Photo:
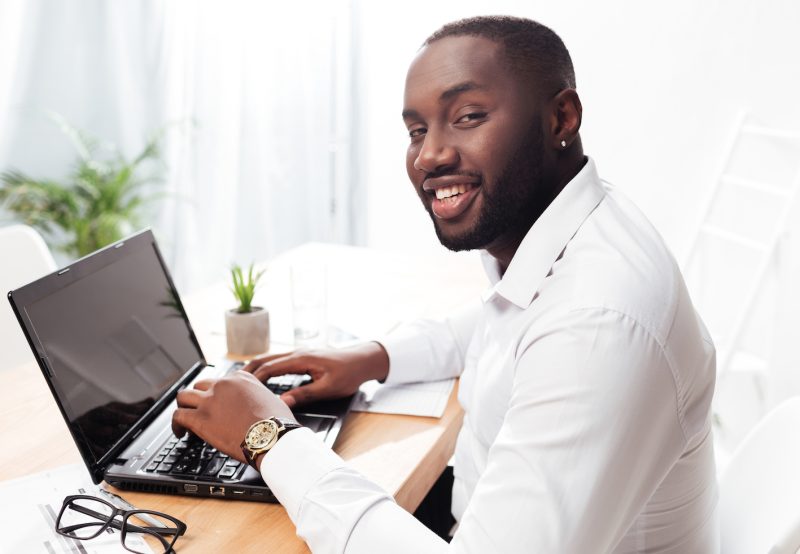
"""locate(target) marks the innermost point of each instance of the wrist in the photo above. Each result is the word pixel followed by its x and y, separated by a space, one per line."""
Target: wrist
pixel 376 361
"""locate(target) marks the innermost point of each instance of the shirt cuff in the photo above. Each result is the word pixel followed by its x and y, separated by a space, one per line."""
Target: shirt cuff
pixel 405 352
pixel 294 465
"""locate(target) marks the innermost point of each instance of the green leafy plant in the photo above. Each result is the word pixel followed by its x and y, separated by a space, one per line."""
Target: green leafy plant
pixel 100 202
pixel 244 287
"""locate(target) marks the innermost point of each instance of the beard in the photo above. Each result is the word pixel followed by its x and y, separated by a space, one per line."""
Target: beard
pixel 511 203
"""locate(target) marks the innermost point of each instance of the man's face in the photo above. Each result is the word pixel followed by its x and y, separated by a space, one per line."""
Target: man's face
pixel 476 150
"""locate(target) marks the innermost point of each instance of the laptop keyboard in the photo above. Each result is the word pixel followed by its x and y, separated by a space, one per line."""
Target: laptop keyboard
pixel 192 457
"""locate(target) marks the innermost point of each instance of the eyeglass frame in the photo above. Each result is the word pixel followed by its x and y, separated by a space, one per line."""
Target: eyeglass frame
pixel 122 525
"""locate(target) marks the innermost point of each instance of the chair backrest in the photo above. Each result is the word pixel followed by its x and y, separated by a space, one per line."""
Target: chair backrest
pixel 24 257
pixel 760 487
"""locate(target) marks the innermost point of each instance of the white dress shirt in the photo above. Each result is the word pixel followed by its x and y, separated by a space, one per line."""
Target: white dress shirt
pixel 587 383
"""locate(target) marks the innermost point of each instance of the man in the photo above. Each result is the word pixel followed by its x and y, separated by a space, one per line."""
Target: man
pixel 587 376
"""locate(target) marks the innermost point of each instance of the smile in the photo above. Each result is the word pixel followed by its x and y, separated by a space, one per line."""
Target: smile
pixel 451 191
pixel 453 200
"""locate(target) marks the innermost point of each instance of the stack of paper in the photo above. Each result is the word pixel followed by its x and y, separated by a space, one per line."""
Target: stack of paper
pixel 419 399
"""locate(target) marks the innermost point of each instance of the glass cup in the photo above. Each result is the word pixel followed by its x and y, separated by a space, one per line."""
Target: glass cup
pixel 309 304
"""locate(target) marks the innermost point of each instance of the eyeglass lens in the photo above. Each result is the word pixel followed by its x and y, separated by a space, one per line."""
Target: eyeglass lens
pixel 84 518
pixel 164 534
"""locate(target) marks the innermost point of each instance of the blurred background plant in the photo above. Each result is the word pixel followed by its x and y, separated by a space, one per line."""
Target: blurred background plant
pixel 101 201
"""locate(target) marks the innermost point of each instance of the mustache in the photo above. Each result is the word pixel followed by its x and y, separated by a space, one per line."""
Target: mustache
pixel 451 172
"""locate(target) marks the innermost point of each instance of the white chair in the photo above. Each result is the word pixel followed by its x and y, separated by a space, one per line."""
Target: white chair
pixel 760 487
pixel 23 257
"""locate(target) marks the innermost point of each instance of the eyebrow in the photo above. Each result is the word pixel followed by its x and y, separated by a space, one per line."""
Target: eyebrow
pixel 448 95
pixel 460 88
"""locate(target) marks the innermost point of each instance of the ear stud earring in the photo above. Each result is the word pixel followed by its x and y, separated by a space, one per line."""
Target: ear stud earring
pixel 563 144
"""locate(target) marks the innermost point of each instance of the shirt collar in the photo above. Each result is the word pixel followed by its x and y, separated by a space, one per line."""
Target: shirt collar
pixel 546 239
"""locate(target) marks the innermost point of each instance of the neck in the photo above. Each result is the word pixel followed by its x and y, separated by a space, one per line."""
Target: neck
pixel 505 247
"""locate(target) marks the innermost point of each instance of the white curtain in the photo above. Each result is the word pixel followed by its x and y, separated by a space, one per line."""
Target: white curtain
pixel 258 158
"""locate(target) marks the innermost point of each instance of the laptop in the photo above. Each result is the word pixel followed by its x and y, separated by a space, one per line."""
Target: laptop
pixel 115 346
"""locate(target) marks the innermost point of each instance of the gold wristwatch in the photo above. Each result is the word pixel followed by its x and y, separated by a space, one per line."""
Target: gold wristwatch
pixel 263 435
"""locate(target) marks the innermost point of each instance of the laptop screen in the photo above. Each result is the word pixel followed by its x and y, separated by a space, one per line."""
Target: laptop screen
pixel 116 339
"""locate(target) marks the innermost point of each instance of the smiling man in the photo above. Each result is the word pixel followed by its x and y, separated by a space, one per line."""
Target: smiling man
pixel 586 375
pixel 475 117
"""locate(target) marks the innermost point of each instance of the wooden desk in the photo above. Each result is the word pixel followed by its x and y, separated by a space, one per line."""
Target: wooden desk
pixel 403 454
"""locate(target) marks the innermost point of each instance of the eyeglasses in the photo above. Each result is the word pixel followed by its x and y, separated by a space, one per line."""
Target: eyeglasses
pixel 86 517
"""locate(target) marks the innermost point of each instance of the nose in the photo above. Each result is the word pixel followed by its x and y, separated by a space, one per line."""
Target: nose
pixel 435 154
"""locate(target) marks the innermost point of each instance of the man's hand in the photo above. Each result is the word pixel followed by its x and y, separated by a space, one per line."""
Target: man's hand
pixel 220 411
pixel 336 373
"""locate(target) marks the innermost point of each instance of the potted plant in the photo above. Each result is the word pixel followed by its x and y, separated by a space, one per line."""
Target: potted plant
pixel 247 326
pixel 101 201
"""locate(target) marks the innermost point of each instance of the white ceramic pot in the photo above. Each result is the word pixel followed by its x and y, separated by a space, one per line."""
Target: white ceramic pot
pixel 247 333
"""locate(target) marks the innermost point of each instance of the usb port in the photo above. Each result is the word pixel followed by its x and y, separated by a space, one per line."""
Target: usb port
pixel 258 493
pixel 239 492
pixel 217 491
pixel 189 488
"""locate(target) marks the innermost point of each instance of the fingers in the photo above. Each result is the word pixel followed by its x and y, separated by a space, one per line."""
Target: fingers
pixel 183 419
pixel 204 384
pixel 190 398
pixel 305 394
pixel 247 377
pixel 185 416
pixel 255 363
pixel 282 366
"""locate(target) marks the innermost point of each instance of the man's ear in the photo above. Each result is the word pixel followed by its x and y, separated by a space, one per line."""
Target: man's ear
pixel 566 115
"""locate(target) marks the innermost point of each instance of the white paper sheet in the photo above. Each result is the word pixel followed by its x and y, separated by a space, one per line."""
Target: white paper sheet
pixel 418 399
pixel 29 509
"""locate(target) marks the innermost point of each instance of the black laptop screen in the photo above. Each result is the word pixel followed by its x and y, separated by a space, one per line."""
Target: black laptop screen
pixel 116 340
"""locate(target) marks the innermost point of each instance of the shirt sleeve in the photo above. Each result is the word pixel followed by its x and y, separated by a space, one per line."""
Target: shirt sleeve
pixel 429 350
pixel 335 508
pixel 591 429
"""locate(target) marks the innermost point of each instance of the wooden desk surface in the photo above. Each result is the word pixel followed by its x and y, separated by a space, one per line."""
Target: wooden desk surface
pixel 403 454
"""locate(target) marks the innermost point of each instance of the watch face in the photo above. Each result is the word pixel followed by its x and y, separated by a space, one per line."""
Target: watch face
pixel 262 435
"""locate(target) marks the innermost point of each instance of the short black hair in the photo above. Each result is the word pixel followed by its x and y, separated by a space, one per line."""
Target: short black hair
pixel 530 47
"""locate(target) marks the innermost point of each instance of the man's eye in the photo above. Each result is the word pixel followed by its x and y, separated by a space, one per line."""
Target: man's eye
pixel 472 117
pixel 417 132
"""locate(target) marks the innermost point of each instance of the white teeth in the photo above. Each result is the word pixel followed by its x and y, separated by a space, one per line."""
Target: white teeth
pixel 447 192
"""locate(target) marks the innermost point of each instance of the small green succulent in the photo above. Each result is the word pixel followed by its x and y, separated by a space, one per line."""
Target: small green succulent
pixel 244 287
